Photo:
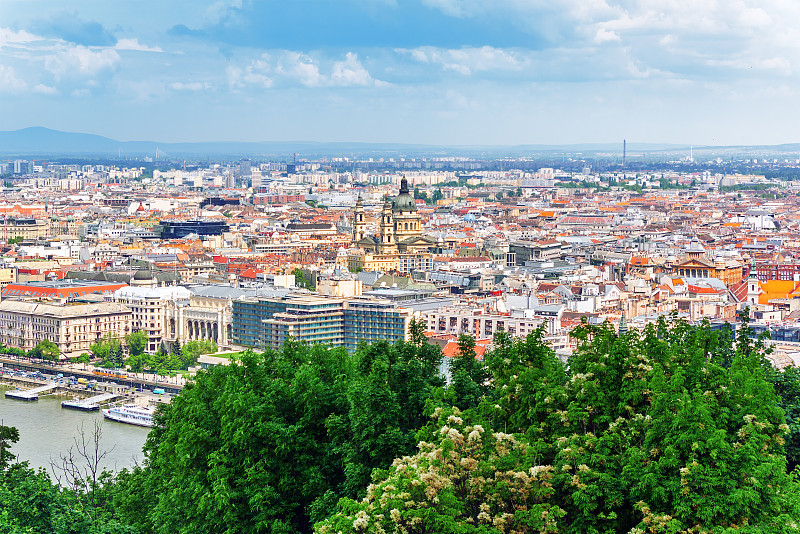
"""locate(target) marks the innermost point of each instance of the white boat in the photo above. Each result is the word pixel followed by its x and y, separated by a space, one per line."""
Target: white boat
pixel 132 414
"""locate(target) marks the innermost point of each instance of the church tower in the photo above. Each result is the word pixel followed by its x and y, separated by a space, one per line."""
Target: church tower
pixel 387 227
pixel 752 284
pixel 359 226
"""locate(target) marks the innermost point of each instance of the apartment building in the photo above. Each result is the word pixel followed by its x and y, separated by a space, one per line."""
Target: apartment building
pixel 73 327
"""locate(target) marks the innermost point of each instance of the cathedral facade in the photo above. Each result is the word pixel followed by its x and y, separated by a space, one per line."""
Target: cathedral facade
pixel 400 228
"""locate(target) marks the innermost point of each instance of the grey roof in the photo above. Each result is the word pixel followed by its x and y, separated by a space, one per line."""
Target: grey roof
pixel 219 291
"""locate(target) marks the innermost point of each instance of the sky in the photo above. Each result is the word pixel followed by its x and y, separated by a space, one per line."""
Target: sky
pixel 447 72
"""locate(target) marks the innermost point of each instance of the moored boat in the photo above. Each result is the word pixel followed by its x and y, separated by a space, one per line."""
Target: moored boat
pixel 132 414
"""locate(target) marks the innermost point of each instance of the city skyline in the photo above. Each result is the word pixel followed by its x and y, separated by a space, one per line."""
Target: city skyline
pixel 443 72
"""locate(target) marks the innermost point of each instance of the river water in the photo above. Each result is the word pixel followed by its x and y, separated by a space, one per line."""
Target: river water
pixel 46 431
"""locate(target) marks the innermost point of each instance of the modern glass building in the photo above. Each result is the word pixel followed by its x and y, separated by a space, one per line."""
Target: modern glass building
pixel 371 320
pixel 180 229
pixel 268 322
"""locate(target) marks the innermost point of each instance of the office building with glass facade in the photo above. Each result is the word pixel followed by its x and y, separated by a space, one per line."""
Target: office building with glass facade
pixel 267 322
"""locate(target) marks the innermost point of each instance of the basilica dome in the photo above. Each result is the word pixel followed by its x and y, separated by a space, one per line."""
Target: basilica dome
pixel 404 201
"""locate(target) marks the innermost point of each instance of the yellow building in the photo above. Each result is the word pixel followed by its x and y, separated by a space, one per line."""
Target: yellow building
pixel 24 228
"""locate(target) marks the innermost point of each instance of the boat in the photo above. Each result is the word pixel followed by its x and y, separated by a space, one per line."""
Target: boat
pixel 133 414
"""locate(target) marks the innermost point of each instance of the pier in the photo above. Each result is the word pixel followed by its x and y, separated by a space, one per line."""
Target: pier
pixel 30 394
pixel 91 404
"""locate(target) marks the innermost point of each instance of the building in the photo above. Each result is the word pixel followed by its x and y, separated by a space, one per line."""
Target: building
pixel 306 319
pixel 149 306
pixel 181 229
pixel 73 327
pixel 400 226
pixel 207 316
pixel 267 322
pixel 697 265
pixel 59 289
pixel 466 320
pixel 24 228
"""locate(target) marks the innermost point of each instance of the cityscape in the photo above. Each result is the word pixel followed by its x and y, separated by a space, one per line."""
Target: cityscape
pixel 250 253
pixel 399 266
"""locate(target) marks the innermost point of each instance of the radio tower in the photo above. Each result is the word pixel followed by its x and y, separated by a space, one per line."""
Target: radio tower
pixel 624 151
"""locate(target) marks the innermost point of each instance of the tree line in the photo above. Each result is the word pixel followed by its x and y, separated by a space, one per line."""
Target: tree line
pixel 677 428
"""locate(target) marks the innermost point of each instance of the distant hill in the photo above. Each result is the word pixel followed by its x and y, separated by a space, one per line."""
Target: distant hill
pixel 39 141
pixel 44 141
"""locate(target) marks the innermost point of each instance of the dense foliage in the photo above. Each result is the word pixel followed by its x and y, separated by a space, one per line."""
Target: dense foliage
pixel 640 433
pixel 674 429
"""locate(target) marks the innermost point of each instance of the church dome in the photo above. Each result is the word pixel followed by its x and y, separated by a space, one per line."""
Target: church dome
pixel 404 201
pixel 143 275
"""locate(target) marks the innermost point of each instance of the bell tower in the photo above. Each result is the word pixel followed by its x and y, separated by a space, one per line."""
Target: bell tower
pixel 752 284
pixel 387 225
pixel 358 221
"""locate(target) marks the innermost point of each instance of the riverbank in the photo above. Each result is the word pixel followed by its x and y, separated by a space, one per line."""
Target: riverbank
pixel 47 431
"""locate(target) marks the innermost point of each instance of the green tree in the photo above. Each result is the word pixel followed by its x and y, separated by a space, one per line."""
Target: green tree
pixel 84 358
pixel 466 479
pixel 300 279
pixel 45 350
pixel 416 331
pixel 101 348
pixel 469 377
pixel 193 349
pixel 136 342
pixel 8 436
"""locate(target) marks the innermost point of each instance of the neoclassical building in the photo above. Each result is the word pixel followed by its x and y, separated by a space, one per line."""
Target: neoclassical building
pixel 207 316
pixel 400 228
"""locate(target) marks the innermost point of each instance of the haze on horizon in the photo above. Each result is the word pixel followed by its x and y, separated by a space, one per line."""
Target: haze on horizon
pixel 447 72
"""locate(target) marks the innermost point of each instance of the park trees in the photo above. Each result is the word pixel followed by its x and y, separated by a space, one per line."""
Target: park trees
pixel 642 432
pixel 272 441
pixel 45 350
pixel 137 343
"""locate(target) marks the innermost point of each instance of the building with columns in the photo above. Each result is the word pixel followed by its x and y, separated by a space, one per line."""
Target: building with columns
pixel 207 316
pixel 149 308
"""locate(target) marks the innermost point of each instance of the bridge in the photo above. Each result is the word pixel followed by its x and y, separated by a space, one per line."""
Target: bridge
pixel 30 394
pixel 91 404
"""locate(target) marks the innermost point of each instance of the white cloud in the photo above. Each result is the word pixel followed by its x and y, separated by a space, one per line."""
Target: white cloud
pixel 350 72
pixel 80 59
pixel 298 66
pixel 255 74
pixel 12 37
pixel 45 89
pixel 469 60
pixel 190 86
pixel 603 36
pixel 80 93
pixel 9 81
pixel 134 44
pixel 454 8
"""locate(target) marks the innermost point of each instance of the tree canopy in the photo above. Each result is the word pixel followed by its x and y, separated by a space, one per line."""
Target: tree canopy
pixel 675 429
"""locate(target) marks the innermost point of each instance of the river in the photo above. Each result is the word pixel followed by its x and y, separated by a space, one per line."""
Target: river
pixel 46 431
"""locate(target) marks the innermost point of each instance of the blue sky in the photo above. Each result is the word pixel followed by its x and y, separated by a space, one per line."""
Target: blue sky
pixel 456 72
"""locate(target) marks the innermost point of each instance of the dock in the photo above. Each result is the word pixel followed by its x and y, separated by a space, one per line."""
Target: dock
pixel 30 394
pixel 91 404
